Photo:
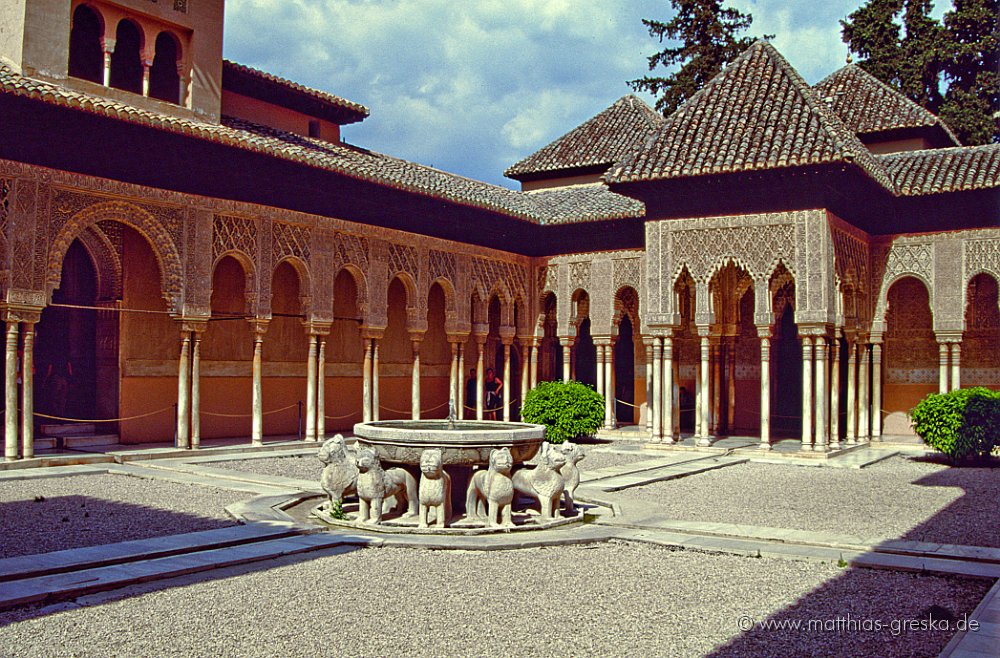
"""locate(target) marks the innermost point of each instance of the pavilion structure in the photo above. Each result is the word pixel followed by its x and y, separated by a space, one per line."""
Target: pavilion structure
pixel 189 249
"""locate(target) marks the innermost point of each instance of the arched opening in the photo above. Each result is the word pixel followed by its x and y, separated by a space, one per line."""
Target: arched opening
pixel 627 319
pixel 584 367
pixel 980 356
pixel 126 64
pixel 746 373
pixel 910 361
pixel 344 356
pixel 395 357
pixel 687 351
pixel 86 57
pixel 227 350
pixel 786 359
pixel 550 354
pixel 164 81
pixel 492 400
pixel 286 350
pixel 435 358
pixel 729 288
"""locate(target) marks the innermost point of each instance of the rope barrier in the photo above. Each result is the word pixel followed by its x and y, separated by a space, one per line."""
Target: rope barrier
pixel 265 413
pixel 105 420
pixel 350 415
pixel 487 411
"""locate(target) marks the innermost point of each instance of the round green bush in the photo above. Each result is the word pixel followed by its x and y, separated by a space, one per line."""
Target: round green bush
pixel 963 425
pixel 567 409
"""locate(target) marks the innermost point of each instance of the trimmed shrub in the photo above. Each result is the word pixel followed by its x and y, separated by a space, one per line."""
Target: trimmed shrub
pixel 962 424
pixel 567 409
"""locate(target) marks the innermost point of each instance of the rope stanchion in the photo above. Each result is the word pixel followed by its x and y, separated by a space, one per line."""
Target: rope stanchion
pixel 104 420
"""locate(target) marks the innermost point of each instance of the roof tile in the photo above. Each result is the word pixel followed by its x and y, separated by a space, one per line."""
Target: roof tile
pixel 937 171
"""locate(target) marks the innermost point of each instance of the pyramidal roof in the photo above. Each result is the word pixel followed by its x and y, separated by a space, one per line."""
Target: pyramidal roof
pixel 867 105
pixel 600 141
pixel 756 114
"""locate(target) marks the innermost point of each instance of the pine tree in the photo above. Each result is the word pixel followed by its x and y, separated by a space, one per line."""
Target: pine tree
pixel 707 33
pixel 871 31
pixel 922 51
pixel 972 71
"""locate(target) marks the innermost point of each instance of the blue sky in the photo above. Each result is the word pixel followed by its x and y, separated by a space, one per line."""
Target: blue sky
pixel 473 86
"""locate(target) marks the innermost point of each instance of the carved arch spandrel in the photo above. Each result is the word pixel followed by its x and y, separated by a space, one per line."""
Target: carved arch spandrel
pixel 166 252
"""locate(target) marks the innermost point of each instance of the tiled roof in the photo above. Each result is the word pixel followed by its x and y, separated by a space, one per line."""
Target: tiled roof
pixel 602 140
pixel 241 78
pixel 958 169
pixel 867 105
pixel 577 204
pixel 757 114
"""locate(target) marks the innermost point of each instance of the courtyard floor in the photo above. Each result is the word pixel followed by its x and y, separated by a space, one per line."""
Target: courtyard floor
pixel 610 598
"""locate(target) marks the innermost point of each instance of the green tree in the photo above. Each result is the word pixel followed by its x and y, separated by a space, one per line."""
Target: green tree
pixel 873 33
pixel 708 38
pixel 972 71
pixel 922 51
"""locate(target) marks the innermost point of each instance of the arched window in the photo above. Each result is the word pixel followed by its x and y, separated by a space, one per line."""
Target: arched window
pixel 86 57
pixel 164 82
pixel 126 65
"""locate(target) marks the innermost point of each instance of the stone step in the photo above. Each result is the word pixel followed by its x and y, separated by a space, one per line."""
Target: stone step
pixel 69 585
pixel 669 472
pixel 68 429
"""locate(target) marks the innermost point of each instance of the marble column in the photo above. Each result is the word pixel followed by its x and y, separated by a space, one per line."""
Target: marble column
pixel 415 382
pixel 311 390
pixel 460 383
pixel 257 423
pixel 375 384
pixel 864 395
pixel 196 390
pixel 648 344
pixel 184 391
pixel 535 348
pixel 731 386
pixel 851 434
pixel 453 377
pixel 366 383
pixel 666 398
pixel 765 387
pixel 146 65
pixel 525 371
pixel 876 391
pixel 657 397
pixel 676 428
pixel 956 366
pixel 716 386
pixel 807 392
pixel 697 399
pixel 706 350
pixel 567 344
pixel 28 393
pixel 109 49
pixel 822 397
pixel 609 386
pixel 480 376
pixel 944 350
pixel 321 390
pixel 599 371
pixel 835 394
pixel 10 415
pixel 506 381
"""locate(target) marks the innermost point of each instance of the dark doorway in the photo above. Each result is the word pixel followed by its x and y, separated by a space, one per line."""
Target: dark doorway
pixel 586 356
pixel 625 374
pixel 786 379
pixel 86 58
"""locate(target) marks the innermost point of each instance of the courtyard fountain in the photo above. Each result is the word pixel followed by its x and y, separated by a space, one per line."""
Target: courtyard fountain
pixel 450 475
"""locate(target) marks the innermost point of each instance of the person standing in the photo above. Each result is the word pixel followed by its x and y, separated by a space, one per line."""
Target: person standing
pixel 470 394
pixel 493 401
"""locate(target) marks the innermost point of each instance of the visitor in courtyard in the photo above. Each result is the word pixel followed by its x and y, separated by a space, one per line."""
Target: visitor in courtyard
pixel 470 394
pixel 492 386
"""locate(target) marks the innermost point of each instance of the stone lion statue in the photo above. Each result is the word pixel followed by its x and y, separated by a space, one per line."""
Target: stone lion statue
pixel 544 483
pixel 571 473
pixel 376 484
pixel 340 471
pixel 435 489
pixel 491 492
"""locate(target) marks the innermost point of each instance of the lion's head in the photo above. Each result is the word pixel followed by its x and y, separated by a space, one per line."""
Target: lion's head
pixel 431 463
pixel 367 460
pixel 501 460
pixel 552 456
pixel 333 450
pixel 573 452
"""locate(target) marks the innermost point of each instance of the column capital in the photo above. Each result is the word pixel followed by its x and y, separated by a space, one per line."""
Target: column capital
pixel 416 336
pixel 458 338
pixel 22 313
pixel 372 333
pixel 259 326
pixel 316 328
pixel 189 324
pixel 948 337
pixel 765 331
pixel 567 341
pixel 507 332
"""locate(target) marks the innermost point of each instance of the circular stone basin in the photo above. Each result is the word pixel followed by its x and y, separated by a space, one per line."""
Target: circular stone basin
pixel 467 444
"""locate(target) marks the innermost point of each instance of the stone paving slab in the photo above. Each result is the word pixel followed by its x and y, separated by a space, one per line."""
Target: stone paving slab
pixel 70 585
pixel 54 472
pixel 192 478
pixel 669 472
pixel 984 641
pixel 634 467
pixel 229 475
pixel 52 461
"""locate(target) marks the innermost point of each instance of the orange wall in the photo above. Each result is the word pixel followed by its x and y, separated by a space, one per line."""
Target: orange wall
pixel 275 116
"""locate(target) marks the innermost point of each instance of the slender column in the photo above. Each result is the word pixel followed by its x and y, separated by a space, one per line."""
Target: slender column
pixel 943 362
pixel 460 383
pixel 807 392
pixel 851 433
pixel 321 390
pixel 146 65
pixel 706 350
pixel 183 391
pixel 10 415
pixel 956 366
pixel 667 391
pixel 697 400
pixel 599 349
pixel 453 377
pixel 506 382
pixel 536 347
pixel 609 386
pixel 567 344
pixel 716 386
pixel 107 62
pixel 480 376
pixel 676 426
pixel 375 384
pixel 415 383
pixel 195 390
pixel 864 395
pixel 765 387
pixel 657 397
pixel 876 391
pixel 366 384
pixel 648 343
pixel 311 390
pixel 835 394
pixel 257 424
pixel 525 370
pixel 822 397
pixel 28 393
pixel 731 387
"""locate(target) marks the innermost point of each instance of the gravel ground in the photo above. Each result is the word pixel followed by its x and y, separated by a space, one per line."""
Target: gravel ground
pixel 303 468
pixel 613 599
pixel 87 510
pixel 901 497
